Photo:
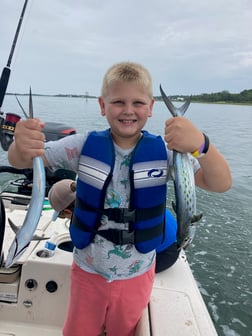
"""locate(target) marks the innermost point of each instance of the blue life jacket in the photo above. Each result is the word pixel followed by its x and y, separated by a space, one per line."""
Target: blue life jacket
pixel 148 177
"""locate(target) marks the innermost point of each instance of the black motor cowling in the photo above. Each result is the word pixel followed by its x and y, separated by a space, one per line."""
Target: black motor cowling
pixel 55 131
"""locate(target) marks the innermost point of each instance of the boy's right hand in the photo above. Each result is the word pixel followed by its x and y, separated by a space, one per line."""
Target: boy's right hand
pixel 29 143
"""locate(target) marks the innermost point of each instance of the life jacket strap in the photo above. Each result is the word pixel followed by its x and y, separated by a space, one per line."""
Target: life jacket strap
pixel 123 237
pixel 118 237
pixel 124 215
pixel 120 215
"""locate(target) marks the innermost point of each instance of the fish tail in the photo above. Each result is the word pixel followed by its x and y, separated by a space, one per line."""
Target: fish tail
pixel 175 111
pixel 196 218
pixel 13 226
pixel 185 106
pixel 168 102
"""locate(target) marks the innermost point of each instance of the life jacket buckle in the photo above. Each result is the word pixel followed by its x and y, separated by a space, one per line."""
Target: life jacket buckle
pixel 127 237
pixel 118 237
pixel 121 215
pixel 129 215
pixel 123 237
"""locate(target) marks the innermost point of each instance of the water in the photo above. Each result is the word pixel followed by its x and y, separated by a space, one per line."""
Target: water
pixel 220 255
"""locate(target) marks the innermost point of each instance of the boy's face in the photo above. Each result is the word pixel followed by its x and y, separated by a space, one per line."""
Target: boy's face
pixel 127 108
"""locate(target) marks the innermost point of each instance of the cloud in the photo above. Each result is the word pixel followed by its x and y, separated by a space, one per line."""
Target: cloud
pixel 193 47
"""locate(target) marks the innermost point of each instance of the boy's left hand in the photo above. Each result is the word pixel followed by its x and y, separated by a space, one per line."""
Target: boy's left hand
pixel 181 135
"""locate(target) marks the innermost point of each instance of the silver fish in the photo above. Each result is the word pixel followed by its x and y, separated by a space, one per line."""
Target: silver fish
pixel 26 232
pixel 184 185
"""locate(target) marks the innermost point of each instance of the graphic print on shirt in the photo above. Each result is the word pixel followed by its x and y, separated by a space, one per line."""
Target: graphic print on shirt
pixel 113 199
pixel 126 161
pixel 124 182
pixel 125 166
pixel 135 266
pixel 114 269
pixel 121 251
pixel 72 153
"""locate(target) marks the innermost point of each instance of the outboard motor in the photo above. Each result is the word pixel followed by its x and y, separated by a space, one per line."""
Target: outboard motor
pixel 55 131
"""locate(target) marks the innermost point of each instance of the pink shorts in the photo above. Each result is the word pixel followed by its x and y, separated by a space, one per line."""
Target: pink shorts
pixel 96 304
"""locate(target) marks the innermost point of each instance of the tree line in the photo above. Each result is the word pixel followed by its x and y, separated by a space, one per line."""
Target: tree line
pixel 244 97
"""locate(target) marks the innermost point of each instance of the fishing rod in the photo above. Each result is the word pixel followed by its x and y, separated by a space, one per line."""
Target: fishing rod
pixel 7 125
pixel 6 70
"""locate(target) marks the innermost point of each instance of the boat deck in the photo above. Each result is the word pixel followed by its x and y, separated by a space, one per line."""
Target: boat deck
pixel 34 293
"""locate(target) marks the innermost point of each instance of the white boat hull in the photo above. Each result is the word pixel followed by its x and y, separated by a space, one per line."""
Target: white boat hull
pixel 34 300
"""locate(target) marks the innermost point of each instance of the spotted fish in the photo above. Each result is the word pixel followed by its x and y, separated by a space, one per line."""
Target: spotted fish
pixel 184 186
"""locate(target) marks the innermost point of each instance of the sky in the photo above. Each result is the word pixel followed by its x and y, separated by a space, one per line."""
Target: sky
pixel 190 47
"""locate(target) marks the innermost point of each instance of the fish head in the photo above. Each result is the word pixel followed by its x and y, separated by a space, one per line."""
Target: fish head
pixel 14 253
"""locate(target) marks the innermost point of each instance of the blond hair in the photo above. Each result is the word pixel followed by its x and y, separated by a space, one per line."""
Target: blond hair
pixel 127 72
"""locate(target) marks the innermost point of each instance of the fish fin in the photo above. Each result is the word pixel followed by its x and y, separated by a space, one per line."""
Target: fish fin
pixel 172 173
pixel 36 237
pixel 187 243
pixel 184 244
pixel 174 207
pixel 179 248
pixel 196 218
pixel 15 229
pixel 20 105
pixel 2 259
pixel 13 226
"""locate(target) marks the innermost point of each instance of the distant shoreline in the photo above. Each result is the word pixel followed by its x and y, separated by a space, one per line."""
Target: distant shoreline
pixel 67 95
pixel 231 99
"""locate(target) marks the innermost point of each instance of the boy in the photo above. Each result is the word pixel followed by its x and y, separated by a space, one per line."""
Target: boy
pixel 121 197
pixel 62 197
